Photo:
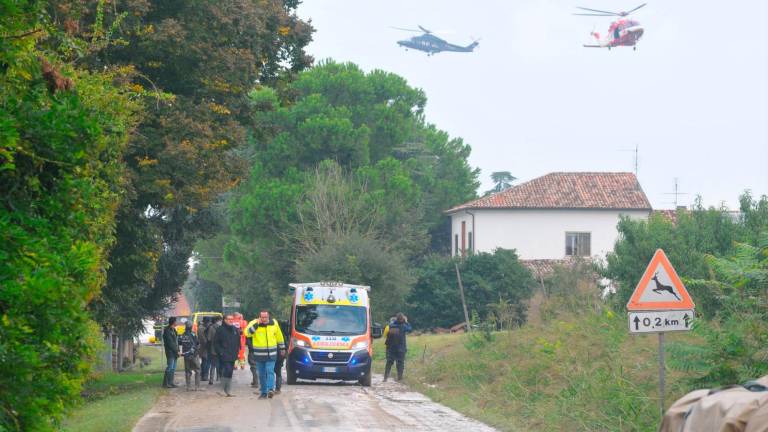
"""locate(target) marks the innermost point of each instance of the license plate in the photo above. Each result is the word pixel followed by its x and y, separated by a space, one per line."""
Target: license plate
pixel 329 369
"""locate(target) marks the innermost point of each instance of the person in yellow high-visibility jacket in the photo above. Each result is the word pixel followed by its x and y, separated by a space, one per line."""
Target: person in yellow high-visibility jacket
pixel 267 342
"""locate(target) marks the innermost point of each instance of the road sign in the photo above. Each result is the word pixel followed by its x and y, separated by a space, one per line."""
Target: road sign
pixel 660 288
pixel 660 321
pixel 660 303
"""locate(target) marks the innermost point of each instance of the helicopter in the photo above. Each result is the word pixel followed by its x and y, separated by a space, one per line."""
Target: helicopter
pixel 622 32
pixel 430 43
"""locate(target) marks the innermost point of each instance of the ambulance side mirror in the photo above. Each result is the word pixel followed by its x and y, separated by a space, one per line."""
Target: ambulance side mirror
pixel 376 330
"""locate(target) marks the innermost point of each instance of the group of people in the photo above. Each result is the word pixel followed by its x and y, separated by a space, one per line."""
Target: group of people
pixel 217 347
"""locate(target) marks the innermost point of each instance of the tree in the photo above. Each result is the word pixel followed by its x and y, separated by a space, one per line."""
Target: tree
pixel 489 279
pixel 503 181
pixel 359 260
pixel 63 133
pixel 686 239
pixel 735 337
pixel 340 153
pixel 204 57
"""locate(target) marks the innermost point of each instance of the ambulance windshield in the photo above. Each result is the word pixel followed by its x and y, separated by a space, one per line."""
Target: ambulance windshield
pixel 330 319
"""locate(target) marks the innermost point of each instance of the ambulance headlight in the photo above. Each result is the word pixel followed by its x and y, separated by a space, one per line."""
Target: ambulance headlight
pixel 360 345
pixel 300 343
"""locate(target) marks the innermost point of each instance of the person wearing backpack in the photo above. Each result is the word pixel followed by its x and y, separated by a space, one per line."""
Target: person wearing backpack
pixel 395 340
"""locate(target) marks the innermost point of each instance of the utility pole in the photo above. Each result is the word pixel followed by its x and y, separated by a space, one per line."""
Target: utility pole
pixel 463 300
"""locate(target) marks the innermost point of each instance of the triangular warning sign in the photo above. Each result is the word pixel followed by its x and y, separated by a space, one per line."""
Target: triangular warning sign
pixel 660 288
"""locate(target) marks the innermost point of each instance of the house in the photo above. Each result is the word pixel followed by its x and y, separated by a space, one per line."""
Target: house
pixel 553 217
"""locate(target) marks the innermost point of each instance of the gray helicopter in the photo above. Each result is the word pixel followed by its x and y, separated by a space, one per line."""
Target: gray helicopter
pixel 431 44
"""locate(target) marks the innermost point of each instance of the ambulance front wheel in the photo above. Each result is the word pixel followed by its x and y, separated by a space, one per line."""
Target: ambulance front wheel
pixel 365 381
pixel 291 376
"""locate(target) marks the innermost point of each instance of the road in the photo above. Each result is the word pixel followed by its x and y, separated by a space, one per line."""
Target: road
pixel 310 406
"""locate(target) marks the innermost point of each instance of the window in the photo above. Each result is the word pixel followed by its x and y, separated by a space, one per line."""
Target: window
pixel 456 244
pixel 331 319
pixel 577 244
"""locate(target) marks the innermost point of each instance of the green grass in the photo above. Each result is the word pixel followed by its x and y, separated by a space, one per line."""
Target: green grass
pixel 116 401
pixel 582 373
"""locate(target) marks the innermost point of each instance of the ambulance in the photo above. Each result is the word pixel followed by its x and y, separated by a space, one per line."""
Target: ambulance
pixel 331 333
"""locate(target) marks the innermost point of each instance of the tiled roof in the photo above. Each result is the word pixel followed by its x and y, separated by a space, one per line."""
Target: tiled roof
pixel 571 190
pixel 543 268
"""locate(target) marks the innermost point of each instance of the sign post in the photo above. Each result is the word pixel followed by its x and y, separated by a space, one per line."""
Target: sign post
pixel 660 304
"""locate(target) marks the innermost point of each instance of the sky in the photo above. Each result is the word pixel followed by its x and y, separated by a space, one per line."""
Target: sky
pixel 531 100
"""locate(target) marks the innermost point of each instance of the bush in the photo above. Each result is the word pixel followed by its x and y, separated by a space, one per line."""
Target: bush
pixel 359 260
pixel 489 279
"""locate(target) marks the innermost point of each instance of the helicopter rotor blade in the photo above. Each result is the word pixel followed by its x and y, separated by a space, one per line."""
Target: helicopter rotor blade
pixel 406 29
pixel 629 12
pixel 588 14
pixel 424 30
pixel 599 11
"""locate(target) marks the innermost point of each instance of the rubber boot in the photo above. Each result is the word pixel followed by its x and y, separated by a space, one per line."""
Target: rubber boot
pixel 255 379
pixel 197 381
pixel 165 380
pixel 187 379
pixel 171 376
pixel 400 369
pixel 387 370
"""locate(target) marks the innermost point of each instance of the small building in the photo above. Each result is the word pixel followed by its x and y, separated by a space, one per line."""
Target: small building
pixel 553 217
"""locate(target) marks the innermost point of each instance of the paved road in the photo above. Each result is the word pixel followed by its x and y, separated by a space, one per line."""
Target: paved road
pixel 308 406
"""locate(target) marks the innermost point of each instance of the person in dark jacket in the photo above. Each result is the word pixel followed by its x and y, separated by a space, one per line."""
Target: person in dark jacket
pixel 394 335
pixel 190 351
pixel 227 342
pixel 171 345
pixel 202 348
pixel 213 355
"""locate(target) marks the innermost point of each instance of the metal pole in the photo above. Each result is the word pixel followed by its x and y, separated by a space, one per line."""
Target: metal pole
pixel 662 371
pixel 463 301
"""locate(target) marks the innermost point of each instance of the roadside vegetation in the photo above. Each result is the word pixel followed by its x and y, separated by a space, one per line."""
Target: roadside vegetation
pixel 116 401
pixel 574 366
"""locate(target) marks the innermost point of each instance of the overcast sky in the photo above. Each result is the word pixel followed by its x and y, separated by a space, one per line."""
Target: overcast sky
pixel 531 100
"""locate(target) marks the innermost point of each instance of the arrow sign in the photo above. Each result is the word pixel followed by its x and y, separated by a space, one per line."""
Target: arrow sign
pixel 660 321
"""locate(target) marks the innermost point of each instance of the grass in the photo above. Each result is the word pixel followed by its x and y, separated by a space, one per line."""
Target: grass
pixel 116 401
pixel 583 372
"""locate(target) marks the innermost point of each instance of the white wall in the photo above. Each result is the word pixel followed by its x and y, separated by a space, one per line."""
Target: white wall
pixel 540 233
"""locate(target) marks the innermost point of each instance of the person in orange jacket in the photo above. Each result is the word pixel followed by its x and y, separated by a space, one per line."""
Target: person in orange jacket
pixel 241 323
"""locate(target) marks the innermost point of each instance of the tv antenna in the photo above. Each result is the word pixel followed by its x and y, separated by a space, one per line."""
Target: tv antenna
pixel 677 192
pixel 636 158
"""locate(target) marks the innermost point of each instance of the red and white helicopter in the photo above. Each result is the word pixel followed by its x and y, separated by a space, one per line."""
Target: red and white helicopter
pixel 622 32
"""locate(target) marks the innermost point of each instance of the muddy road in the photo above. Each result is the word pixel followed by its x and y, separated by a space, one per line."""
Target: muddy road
pixel 321 406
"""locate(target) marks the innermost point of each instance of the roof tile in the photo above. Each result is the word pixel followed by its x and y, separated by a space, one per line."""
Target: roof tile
pixel 572 190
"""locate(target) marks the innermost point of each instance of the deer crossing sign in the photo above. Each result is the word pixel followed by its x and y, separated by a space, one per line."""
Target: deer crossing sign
pixel 660 302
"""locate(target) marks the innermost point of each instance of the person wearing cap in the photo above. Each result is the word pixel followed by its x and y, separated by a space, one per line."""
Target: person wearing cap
pixel 268 343
pixel 190 352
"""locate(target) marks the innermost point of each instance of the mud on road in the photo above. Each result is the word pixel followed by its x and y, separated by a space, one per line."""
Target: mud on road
pixel 308 406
